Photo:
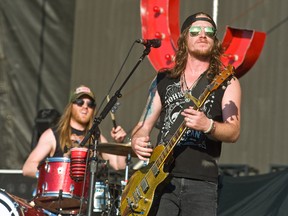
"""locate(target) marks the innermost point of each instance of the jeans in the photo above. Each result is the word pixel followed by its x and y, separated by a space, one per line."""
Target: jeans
pixel 187 197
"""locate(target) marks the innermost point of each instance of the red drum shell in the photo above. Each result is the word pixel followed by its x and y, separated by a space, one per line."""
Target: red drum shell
pixel 56 190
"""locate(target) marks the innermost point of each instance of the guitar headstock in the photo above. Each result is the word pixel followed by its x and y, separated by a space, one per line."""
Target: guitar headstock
pixel 222 79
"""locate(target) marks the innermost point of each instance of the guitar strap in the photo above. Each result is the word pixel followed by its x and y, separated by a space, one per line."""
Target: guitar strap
pixel 196 91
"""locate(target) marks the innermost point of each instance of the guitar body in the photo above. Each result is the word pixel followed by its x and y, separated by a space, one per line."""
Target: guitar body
pixel 138 195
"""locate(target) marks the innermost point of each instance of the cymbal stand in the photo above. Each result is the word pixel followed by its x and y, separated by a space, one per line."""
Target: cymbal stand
pixel 128 161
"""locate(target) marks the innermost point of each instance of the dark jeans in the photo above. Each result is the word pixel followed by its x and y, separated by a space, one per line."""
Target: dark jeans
pixel 186 197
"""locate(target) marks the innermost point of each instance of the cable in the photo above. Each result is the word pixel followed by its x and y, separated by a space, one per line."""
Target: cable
pixel 119 72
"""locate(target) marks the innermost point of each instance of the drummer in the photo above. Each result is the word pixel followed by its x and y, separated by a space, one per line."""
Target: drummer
pixel 73 125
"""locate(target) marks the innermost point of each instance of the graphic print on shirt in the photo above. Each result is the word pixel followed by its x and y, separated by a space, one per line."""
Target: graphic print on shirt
pixel 174 103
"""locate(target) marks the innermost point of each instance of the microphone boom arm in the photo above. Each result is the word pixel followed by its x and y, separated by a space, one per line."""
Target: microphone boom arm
pixel 98 120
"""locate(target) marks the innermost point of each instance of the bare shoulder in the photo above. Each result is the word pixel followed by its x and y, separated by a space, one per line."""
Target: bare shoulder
pixel 47 136
pixel 47 141
pixel 233 89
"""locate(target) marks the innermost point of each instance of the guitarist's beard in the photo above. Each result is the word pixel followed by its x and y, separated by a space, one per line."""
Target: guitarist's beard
pixel 203 55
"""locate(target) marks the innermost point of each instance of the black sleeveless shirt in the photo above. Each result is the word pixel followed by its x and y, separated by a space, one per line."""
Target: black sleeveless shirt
pixel 195 155
pixel 58 151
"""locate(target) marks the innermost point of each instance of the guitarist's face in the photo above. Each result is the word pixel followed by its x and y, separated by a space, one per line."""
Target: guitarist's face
pixel 200 44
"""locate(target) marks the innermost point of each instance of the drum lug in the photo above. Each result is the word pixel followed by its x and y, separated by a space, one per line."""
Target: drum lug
pixel 47 167
pixel 44 187
pixel 16 205
pixel 72 188
pixel 37 174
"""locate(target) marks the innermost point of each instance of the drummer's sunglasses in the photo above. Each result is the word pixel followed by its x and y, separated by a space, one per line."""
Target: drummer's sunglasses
pixel 196 30
pixel 80 102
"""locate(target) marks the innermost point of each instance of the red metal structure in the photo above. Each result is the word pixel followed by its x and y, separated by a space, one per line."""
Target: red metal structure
pixel 242 48
pixel 160 19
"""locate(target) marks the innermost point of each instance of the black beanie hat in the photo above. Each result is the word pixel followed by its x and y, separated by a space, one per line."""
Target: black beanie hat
pixel 193 18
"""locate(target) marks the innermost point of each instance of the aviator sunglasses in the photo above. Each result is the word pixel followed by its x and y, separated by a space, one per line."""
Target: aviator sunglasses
pixel 80 102
pixel 208 30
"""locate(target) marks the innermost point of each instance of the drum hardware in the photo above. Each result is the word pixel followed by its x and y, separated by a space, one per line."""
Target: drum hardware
pixel 101 197
pixel 47 167
pixel 128 161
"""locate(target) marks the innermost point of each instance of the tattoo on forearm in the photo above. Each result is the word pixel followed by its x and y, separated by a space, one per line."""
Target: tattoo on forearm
pixel 148 108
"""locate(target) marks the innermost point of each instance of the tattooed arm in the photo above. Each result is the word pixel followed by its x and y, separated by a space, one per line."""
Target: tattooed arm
pixel 140 135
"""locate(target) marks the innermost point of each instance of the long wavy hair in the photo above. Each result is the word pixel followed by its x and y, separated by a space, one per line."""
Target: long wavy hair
pixel 64 128
pixel 182 55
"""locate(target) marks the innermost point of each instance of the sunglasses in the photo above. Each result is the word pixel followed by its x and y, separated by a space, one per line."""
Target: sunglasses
pixel 196 30
pixel 80 102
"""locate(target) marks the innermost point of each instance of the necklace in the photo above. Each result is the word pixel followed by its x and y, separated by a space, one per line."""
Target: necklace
pixel 187 88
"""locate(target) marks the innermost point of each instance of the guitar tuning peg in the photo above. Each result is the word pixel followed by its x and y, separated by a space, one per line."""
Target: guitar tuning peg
pixel 223 87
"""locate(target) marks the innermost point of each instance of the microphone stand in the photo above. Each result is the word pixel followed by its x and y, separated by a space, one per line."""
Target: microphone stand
pixel 97 121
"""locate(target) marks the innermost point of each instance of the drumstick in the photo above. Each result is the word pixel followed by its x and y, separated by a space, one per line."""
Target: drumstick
pixel 112 114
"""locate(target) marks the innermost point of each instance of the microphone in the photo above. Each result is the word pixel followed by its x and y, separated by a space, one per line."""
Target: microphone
pixel 150 42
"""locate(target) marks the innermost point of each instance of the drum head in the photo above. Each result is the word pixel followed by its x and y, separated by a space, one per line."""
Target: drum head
pixel 11 205
pixel 8 205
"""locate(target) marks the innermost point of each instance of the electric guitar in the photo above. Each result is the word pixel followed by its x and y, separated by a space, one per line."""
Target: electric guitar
pixel 138 195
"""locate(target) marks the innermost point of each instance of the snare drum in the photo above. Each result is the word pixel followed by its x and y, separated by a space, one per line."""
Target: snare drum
pixel 13 205
pixel 56 190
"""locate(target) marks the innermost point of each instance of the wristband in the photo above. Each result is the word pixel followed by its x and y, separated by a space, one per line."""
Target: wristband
pixel 210 127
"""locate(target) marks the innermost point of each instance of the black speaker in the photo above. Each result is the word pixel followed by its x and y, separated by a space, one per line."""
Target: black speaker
pixel 45 118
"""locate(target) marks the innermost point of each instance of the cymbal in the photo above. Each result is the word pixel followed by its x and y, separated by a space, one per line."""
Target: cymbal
pixel 116 148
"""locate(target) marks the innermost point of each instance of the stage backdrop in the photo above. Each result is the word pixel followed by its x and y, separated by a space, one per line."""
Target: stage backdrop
pixel 49 47
pixel 36 43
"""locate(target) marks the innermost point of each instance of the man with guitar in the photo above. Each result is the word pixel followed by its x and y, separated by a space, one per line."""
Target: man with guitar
pixel 195 114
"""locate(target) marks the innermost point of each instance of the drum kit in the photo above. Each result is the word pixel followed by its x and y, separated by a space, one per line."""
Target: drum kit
pixel 63 187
